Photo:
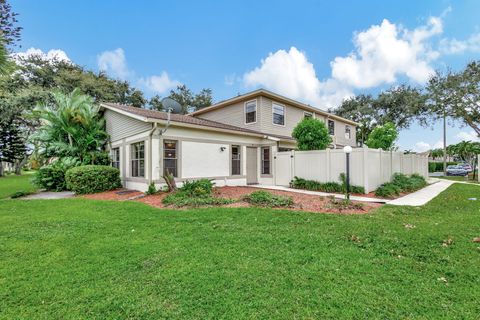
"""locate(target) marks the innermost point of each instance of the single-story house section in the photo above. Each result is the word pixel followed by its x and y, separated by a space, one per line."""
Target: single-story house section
pixel 205 146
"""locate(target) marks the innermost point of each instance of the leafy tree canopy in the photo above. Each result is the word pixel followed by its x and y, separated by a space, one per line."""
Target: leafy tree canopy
pixel 187 98
pixel 399 105
pixel 9 30
pixel 383 137
pixel 311 134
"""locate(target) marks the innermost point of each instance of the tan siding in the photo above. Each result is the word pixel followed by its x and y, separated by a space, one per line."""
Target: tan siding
pixel 292 117
pixel 339 137
pixel 120 126
pixel 233 115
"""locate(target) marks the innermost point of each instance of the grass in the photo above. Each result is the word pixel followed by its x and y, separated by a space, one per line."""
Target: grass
pixel 76 258
pixel 469 178
pixel 13 183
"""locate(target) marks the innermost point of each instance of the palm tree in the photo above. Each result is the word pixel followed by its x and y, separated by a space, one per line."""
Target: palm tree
pixel 70 127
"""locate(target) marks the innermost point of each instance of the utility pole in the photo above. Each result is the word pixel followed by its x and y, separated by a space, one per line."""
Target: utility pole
pixel 444 141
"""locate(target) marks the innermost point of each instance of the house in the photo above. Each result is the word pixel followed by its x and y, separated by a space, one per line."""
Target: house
pixel 232 142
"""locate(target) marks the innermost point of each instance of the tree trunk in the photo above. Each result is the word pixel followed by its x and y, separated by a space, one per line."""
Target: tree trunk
pixel 18 166
pixel 1 169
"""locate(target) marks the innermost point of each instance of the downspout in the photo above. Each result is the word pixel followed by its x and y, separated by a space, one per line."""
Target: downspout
pixel 150 151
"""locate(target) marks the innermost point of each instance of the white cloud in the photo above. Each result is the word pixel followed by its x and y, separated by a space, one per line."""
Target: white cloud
pixel 160 84
pixel 421 146
pixel 454 46
pixel 438 144
pixel 114 63
pixel 382 54
pixel 467 136
pixel 51 55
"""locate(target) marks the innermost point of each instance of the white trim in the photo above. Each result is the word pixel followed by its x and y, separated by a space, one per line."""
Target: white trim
pixel 284 114
pixel 245 112
pixel 125 113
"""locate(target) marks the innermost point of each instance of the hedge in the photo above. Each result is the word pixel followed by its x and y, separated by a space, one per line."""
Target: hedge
pixel 438 166
pixel 92 179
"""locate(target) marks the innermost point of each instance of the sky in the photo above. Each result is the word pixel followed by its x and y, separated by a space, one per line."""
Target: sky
pixel 317 52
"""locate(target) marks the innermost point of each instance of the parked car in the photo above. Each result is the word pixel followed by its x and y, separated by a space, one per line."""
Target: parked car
pixel 466 166
pixel 456 171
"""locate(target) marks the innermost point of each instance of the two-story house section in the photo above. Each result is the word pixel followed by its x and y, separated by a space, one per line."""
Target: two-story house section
pixel 272 114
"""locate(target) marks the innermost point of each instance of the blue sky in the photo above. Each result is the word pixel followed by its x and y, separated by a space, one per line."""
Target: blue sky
pixel 316 52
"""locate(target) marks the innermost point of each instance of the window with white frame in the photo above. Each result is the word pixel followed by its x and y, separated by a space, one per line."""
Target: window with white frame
pixel 236 163
pixel 116 158
pixel 170 157
pixel 266 160
pixel 138 159
pixel 348 134
pixel 331 127
pixel 307 114
pixel 251 111
pixel 278 114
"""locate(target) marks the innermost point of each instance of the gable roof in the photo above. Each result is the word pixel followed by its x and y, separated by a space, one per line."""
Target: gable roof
pixel 146 115
pixel 273 96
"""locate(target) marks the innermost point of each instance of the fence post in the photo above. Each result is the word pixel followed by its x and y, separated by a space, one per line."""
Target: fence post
pixel 292 165
pixel 391 165
pixel 327 166
pixel 381 164
pixel 365 169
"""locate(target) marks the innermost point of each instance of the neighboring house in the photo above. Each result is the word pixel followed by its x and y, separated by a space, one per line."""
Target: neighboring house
pixel 232 142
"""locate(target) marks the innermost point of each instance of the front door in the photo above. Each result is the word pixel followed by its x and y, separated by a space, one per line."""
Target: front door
pixel 252 165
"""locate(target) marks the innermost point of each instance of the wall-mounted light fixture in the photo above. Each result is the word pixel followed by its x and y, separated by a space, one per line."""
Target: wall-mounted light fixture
pixel 222 149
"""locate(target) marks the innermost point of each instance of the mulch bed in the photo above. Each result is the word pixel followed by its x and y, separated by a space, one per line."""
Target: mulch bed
pixel 302 202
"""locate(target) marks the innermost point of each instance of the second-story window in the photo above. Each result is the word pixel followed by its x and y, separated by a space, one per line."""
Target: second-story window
pixel 251 111
pixel 278 114
pixel 348 135
pixel 307 114
pixel 331 127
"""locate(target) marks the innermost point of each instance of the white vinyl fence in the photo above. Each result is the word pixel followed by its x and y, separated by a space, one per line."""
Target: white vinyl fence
pixel 368 167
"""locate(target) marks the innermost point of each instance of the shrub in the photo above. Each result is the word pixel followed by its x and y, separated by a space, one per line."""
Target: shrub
pixel 388 190
pixel 266 199
pixel 344 204
pixel 183 199
pixel 401 183
pixel 52 177
pixel 300 183
pixel 438 166
pixel 197 188
pixel 151 189
pixel 92 179
pixel 20 194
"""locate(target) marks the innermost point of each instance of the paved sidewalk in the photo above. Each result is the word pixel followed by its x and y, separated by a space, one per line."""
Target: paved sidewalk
pixel 49 195
pixel 422 196
pixel 317 193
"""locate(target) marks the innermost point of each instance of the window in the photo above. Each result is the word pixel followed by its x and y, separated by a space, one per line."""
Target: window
pixel 307 115
pixel 266 160
pixel 170 157
pixel 138 159
pixel 347 132
pixel 235 160
pixel 331 127
pixel 278 114
pixel 251 111
pixel 116 158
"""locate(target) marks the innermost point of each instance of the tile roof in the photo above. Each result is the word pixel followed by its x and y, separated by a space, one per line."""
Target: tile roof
pixel 159 115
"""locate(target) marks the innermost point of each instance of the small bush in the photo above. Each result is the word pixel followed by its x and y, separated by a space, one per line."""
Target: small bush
pixel 300 183
pixel 151 189
pixel 266 199
pixel 438 166
pixel 92 179
pixel 388 190
pixel 401 183
pixel 197 188
pixel 344 204
pixel 52 177
pixel 182 199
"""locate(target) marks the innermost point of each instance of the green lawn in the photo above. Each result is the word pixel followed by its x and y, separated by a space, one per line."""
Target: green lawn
pixel 75 258
pixel 457 178
pixel 13 183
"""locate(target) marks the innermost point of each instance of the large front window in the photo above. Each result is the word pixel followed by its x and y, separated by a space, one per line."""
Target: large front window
pixel 235 160
pixel 116 158
pixel 348 134
pixel 266 160
pixel 278 114
pixel 251 111
pixel 138 159
pixel 170 158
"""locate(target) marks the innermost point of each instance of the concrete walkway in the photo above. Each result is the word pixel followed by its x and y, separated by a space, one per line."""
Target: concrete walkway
pixel 422 196
pixel 322 194
pixel 49 195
